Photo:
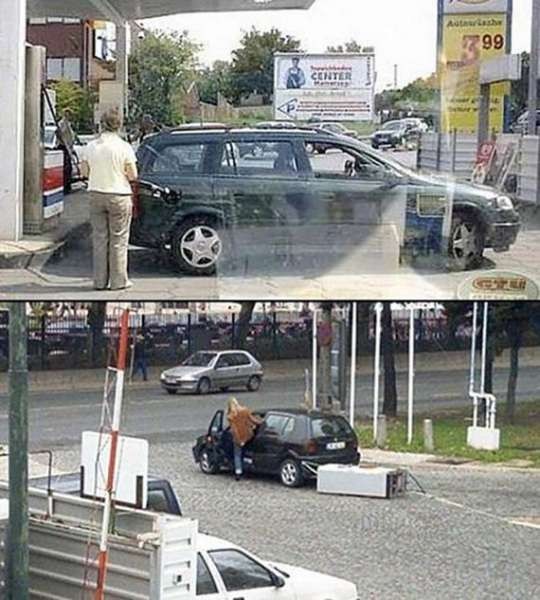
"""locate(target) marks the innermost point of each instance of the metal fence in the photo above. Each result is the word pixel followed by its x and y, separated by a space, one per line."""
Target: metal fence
pixel 71 342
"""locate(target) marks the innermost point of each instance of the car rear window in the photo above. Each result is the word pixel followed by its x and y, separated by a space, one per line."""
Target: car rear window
pixel 330 427
pixel 172 159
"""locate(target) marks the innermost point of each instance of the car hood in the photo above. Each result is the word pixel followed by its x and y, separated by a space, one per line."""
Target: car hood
pixel 184 371
pixel 311 585
pixel 460 189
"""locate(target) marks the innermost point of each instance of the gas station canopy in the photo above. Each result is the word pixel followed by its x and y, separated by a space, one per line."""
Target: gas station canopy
pixel 128 10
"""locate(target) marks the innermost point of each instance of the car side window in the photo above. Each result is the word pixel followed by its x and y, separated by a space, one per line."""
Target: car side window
pixel 224 361
pixel 157 501
pixel 275 424
pixel 241 360
pixel 259 158
pixel 342 163
pixel 239 571
pixel 205 582
pixel 182 158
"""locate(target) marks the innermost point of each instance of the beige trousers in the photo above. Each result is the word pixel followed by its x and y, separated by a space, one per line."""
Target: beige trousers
pixel 110 216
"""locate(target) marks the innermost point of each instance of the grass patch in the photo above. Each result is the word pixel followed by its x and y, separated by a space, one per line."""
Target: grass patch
pixel 519 441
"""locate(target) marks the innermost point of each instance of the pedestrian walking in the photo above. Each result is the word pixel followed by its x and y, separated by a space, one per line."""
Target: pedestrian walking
pixel 110 166
pixel 139 356
pixel 243 423
pixel 66 142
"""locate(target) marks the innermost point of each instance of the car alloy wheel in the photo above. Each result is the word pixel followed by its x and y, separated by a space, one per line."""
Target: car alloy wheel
pixel 254 383
pixel 290 473
pixel 204 386
pixel 466 244
pixel 200 247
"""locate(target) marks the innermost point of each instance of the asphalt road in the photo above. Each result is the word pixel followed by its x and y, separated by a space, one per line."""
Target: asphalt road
pixel 57 418
pixel 458 542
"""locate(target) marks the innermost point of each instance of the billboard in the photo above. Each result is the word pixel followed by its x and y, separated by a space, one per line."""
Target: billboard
pixel 471 31
pixel 326 87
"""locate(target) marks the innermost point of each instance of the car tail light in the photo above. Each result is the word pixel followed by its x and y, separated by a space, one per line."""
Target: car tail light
pixel 135 188
pixel 311 447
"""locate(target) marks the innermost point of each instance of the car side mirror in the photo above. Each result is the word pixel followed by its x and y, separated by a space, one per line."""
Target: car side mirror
pixel 277 581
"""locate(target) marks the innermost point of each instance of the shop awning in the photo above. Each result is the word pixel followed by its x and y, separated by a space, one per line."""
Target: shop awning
pixel 128 10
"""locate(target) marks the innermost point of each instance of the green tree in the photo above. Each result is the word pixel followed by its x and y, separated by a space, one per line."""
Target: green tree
pixel 160 68
pixel 252 69
pixel 215 80
pixel 79 101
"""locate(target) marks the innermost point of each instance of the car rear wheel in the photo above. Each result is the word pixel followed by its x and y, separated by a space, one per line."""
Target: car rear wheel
pixel 254 383
pixel 290 473
pixel 197 246
pixel 207 463
pixel 466 243
pixel 203 386
pixel 170 391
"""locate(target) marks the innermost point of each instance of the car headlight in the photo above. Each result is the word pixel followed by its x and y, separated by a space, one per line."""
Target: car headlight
pixel 502 203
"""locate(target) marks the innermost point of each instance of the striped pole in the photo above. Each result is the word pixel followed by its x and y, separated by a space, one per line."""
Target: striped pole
pixel 115 428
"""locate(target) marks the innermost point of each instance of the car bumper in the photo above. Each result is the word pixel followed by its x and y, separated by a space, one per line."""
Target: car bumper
pixel 180 385
pixel 310 464
pixel 502 235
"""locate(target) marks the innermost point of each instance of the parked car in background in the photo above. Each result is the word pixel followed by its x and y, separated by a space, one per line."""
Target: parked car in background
pixel 334 129
pixel 521 124
pixel 392 134
pixel 416 126
pixel 290 443
pixel 205 371
pixel 205 205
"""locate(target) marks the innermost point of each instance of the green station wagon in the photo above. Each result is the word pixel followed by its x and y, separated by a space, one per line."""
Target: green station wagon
pixel 209 196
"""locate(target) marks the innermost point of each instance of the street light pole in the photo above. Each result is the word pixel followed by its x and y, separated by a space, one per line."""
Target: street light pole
pixel 534 66
pixel 17 540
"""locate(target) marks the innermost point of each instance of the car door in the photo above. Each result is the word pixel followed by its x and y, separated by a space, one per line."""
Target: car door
pixel 181 164
pixel 359 205
pixel 243 577
pixel 245 367
pixel 206 584
pixel 266 449
pixel 262 193
pixel 226 371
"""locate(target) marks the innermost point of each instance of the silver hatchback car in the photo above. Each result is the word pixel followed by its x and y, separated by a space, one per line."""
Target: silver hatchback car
pixel 206 371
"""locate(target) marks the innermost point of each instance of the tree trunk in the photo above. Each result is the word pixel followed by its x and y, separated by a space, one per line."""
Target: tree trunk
pixel 243 323
pixel 387 349
pixel 97 312
pixel 325 400
pixel 515 345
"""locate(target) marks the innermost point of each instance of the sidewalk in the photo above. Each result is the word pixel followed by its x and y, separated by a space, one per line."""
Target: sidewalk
pixel 276 370
pixel 33 251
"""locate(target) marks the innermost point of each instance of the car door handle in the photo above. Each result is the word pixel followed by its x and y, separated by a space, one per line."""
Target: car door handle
pixel 239 598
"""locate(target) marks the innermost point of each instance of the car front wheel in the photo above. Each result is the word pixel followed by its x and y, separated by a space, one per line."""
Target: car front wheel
pixel 254 383
pixel 197 246
pixel 207 463
pixel 203 386
pixel 466 243
pixel 290 473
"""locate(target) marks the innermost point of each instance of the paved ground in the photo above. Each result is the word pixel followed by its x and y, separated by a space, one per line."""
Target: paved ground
pixel 69 275
pixel 458 542
pixel 58 417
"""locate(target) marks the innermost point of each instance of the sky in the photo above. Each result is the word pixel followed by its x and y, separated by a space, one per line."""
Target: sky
pixel 404 32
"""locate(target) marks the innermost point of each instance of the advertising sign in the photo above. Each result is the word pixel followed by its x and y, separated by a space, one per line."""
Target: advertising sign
pixel 472 31
pixel 326 87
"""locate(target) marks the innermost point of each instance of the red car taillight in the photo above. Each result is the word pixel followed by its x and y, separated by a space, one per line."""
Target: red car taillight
pixel 311 447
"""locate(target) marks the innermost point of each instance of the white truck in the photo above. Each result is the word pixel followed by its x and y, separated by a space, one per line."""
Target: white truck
pixel 153 556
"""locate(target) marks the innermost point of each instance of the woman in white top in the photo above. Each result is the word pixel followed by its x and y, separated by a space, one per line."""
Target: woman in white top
pixel 110 165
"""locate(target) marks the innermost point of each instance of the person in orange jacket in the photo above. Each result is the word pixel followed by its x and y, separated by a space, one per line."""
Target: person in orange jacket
pixel 243 423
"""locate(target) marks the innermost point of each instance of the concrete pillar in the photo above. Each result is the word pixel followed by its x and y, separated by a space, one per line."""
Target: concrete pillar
pixel 33 155
pixel 380 441
pixel 122 54
pixel 429 446
pixel 484 134
pixel 12 67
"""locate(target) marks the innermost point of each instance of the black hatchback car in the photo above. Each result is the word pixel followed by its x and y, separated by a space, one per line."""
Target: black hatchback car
pixel 290 443
pixel 208 203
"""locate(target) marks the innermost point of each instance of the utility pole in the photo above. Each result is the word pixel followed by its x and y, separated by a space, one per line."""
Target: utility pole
pixel 534 66
pixel 325 358
pixel 17 540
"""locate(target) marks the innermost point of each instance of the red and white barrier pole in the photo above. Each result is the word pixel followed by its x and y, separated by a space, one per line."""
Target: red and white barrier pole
pixel 115 429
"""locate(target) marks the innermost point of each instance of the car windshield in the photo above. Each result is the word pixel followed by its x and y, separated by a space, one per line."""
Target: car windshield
pixel 200 359
pixel 329 427
pixel 392 126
